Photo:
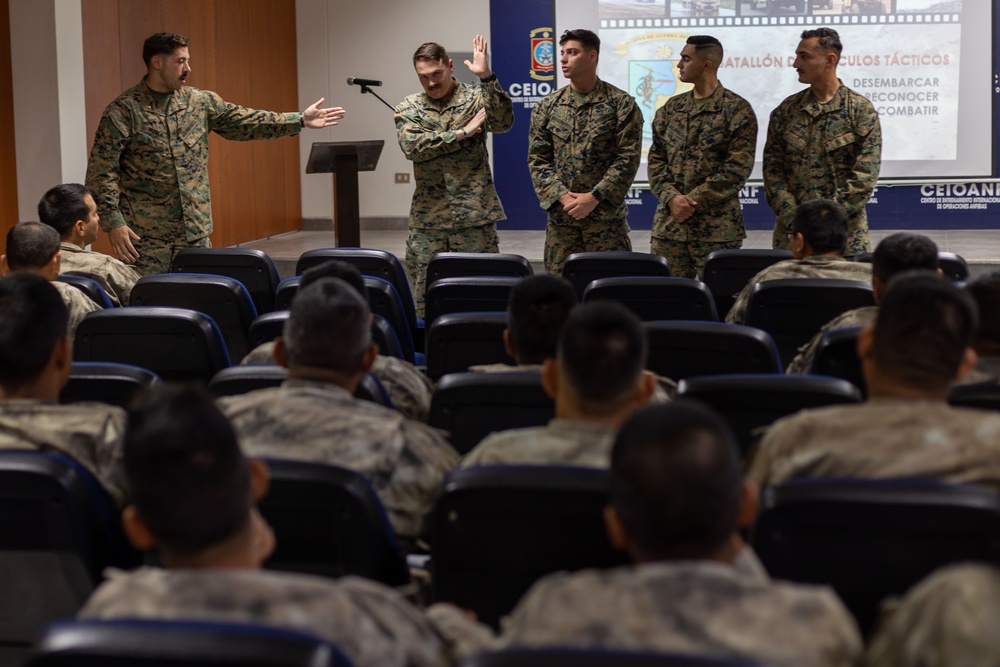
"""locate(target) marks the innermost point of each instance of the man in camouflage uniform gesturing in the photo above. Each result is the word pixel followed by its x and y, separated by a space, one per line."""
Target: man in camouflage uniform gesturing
pixel 824 142
pixel 583 152
pixel 148 169
pixel 443 131
pixel 702 154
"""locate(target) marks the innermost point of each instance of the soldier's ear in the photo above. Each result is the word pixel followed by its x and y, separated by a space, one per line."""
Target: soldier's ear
pixel 508 344
pixel 78 229
pixel 136 531
pixel 4 269
pixel 613 526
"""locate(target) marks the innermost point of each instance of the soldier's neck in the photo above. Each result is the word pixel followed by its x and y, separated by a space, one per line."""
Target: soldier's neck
pixel 584 83
pixel 705 87
pixel 825 90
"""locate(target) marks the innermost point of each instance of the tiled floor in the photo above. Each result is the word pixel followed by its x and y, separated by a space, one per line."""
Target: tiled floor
pixel 980 248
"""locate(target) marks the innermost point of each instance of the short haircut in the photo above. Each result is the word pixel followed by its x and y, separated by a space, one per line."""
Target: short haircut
pixel 62 206
pixel 924 325
pixel 707 47
pixel 985 291
pixel 536 312
pixel 31 245
pixel 335 269
pixel 431 51
pixel 185 473
pixel 823 224
pixel 829 39
pixel 602 353
pixel 328 327
pixel 161 44
pixel 588 39
pixel 903 252
pixel 676 480
pixel 33 318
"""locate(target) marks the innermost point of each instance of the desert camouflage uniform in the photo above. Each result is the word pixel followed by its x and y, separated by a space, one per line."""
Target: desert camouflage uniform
pixel 372 624
pixel 706 152
pixel 859 317
pixel 77 303
pixel 316 421
pixel 455 205
pixel 89 433
pixel 561 441
pixel 116 277
pixel 582 146
pixel 883 438
pixel 817 266
pixel 947 620
pixel 159 161
pixel 409 390
pixel 829 151
pixel 698 607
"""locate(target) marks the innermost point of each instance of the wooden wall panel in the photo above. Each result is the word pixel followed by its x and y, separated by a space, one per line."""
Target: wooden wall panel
pixel 242 49
pixel 8 164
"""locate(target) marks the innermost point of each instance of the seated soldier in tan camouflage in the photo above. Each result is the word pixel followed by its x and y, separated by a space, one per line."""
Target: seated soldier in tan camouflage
pixel 36 357
pixel 70 210
pixel 818 236
pixel 34 248
pixel 193 499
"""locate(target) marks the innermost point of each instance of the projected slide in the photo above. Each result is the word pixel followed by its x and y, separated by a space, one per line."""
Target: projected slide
pixel 925 64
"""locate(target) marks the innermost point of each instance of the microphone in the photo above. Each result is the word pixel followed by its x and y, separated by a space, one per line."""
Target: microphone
pixel 355 81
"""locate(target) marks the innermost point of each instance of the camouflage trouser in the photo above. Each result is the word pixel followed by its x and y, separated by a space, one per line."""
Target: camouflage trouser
pixel 157 246
pixel 687 258
pixel 858 241
pixel 421 244
pixel 563 238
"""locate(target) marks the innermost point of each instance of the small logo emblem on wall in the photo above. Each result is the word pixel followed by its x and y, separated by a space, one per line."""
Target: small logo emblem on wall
pixel 543 54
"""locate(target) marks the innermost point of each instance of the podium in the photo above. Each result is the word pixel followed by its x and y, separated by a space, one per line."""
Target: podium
pixel 345 159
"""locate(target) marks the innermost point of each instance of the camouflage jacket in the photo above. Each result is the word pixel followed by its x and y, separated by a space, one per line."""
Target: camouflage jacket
pixel 561 442
pixel 116 277
pixel 948 619
pixel 576 146
pixel 816 266
pixel 454 186
pixel 77 303
pixel 697 607
pixel 831 151
pixel 883 438
pixel 158 159
pixel 89 433
pixel 372 624
pixel 859 317
pixel 316 421
pixel 705 152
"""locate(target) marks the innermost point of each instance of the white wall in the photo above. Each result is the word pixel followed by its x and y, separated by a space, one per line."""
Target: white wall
pixel 373 39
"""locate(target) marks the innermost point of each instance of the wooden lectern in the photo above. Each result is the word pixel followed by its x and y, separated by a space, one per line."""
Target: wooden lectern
pixel 345 159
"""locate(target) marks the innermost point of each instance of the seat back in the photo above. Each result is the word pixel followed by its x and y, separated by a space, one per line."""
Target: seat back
pixel 460 340
pixel 582 268
pixel 471 294
pixel 328 521
pixel 872 538
pixel 237 380
pixel 497 529
pixel 571 657
pixel 110 383
pixel 223 299
pixel 680 350
pixel 177 344
pixel 269 326
pixel 984 395
pixel 465 264
pixel 285 292
pixel 470 406
pixel 88 286
pixel 656 298
pixel 253 268
pixel 793 310
pixel 752 402
pixel 837 356
pixel 727 272
pixel 384 301
pixel 59 529
pixel 168 643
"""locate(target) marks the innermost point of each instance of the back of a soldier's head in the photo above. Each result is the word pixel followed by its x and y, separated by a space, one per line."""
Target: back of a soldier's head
pixel 676 482
pixel 328 327
pixel 186 475
pixel 602 354
pixel 924 327
pixel 985 291
pixel 901 252
pixel 33 320
pixel 823 225
pixel 335 268
pixel 31 246
pixel 536 312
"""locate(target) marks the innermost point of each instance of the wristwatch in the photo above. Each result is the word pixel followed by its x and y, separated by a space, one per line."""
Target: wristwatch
pixel 597 194
pixel 490 79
